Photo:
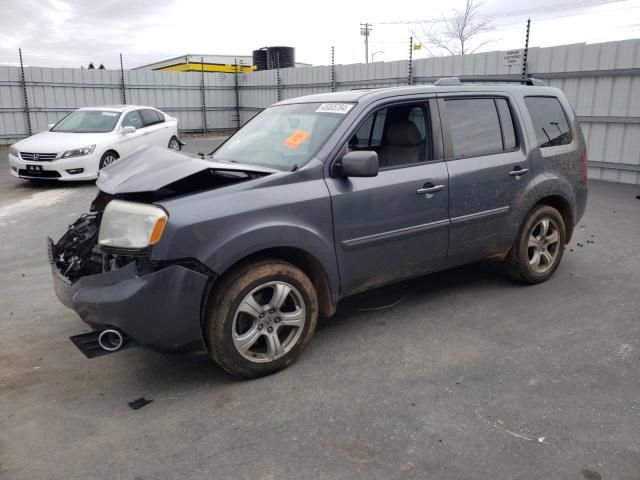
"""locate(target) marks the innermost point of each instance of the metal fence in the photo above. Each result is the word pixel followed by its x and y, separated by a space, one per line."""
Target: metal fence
pixel 602 81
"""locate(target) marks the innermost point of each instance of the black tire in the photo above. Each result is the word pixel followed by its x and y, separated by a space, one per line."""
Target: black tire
pixel 174 144
pixel 106 159
pixel 223 318
pixel 521 262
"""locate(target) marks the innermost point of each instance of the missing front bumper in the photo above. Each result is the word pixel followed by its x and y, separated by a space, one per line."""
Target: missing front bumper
pixel 160 310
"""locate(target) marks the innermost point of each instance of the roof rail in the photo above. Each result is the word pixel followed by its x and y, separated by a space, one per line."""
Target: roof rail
pixel 452 81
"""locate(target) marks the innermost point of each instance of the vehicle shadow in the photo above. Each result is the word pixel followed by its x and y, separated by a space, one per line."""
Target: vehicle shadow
pixel 52 184
pixel 419 290
pixel 177 374
pixel 173 375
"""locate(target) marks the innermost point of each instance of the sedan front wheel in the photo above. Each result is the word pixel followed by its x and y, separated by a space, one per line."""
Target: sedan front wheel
pixel 108 158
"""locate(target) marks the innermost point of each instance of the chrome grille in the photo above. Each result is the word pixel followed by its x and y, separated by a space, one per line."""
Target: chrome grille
pixel 38 157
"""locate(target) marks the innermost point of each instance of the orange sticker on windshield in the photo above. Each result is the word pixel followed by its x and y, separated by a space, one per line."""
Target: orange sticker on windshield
pixel 296 139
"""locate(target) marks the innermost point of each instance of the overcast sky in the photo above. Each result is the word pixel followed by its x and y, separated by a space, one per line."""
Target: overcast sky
pixel 71 33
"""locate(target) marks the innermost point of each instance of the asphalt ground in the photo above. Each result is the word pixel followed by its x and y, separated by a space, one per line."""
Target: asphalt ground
pixel 467 376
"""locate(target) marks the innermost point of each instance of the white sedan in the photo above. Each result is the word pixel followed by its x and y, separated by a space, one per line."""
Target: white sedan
pixel 89 139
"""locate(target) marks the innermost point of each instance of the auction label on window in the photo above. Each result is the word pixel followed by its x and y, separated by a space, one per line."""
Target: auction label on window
pixel 296 139
pixel 110 114
pixel 342 108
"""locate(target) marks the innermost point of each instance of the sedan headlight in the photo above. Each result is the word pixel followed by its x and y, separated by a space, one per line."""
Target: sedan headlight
pixel 14 151
pixel 79 152
pixel 131 225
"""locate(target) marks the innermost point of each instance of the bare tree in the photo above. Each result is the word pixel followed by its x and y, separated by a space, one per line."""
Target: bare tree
pixel 456 34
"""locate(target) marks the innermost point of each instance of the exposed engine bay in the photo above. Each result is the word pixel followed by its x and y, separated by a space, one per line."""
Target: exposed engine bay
pixel 73 254
pixel 77 253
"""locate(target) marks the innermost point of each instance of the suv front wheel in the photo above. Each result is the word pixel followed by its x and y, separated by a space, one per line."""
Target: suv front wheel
pixel 539 246
pixel 260 318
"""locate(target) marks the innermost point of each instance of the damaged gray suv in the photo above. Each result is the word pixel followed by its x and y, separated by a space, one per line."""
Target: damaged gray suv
pixel 317 198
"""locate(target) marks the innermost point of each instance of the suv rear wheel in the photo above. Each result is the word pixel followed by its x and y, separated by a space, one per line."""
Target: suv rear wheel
pixel 538 250
pixel 260 318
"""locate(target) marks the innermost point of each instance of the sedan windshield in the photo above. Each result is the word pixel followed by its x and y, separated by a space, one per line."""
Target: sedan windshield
pixel 283 136
pixel 88 121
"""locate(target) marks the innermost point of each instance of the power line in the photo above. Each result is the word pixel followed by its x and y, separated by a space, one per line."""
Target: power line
pixel 510 25
pixel 514 13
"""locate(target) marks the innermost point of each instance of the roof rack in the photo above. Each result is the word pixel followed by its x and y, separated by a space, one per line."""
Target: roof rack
pixel 453 81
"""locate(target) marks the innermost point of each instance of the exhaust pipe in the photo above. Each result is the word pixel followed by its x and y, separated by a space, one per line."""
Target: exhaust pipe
pixel 95 344
pixel 110 340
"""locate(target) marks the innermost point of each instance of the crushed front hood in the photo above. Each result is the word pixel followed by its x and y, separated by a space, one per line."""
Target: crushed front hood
pixel 154 168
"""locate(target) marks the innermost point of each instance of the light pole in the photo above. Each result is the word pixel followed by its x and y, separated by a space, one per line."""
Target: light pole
pixel 374 54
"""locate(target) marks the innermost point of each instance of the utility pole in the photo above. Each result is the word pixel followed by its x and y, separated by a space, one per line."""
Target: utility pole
pixel 365 30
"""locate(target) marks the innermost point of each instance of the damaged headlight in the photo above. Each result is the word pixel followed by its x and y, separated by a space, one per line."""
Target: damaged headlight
pixel 131 225
pixel 79 152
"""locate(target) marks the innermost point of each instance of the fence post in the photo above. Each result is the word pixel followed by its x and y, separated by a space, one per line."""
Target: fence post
pixel 525 66
pixel 278 92
pixel 237 88
pixel 122 87
pixel 24 91
pixel 410 72
pixel 204 101
pixel 333 70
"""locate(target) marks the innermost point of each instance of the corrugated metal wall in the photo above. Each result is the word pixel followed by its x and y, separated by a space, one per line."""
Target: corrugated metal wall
pixel 602 81
pixel 54 92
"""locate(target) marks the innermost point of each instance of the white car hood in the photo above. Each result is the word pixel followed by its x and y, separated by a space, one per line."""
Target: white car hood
pixel 56 142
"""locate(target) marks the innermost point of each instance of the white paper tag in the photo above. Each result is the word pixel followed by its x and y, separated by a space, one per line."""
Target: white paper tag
pixel 342 108
pixel 110 114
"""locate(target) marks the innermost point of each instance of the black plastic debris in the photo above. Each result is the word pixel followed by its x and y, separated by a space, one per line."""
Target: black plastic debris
pixel 139 403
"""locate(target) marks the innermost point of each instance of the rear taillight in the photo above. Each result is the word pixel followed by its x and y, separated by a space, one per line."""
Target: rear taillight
pixel 585 167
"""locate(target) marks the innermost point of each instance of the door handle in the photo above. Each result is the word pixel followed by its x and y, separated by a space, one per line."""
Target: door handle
pixel 429 189
pixel 517 171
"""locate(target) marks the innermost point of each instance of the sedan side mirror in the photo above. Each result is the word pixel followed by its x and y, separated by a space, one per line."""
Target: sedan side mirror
pixel 50 126
pixel 127 130
pixel 360 164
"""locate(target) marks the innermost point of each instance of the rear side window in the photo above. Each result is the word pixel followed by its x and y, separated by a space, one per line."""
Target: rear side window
pixel 549 121
pixel 475 126
pixel 150 117
pixel 132 119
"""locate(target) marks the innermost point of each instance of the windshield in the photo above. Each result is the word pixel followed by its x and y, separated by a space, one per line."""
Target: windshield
pixel 283 136
pixel 88 121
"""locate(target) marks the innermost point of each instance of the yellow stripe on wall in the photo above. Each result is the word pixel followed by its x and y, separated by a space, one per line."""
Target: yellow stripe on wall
pixel 207 67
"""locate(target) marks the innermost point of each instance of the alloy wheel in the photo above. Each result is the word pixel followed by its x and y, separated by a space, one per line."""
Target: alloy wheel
pixel 544 245
pixel 174 144
pixel 268 322
pixel 108 160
